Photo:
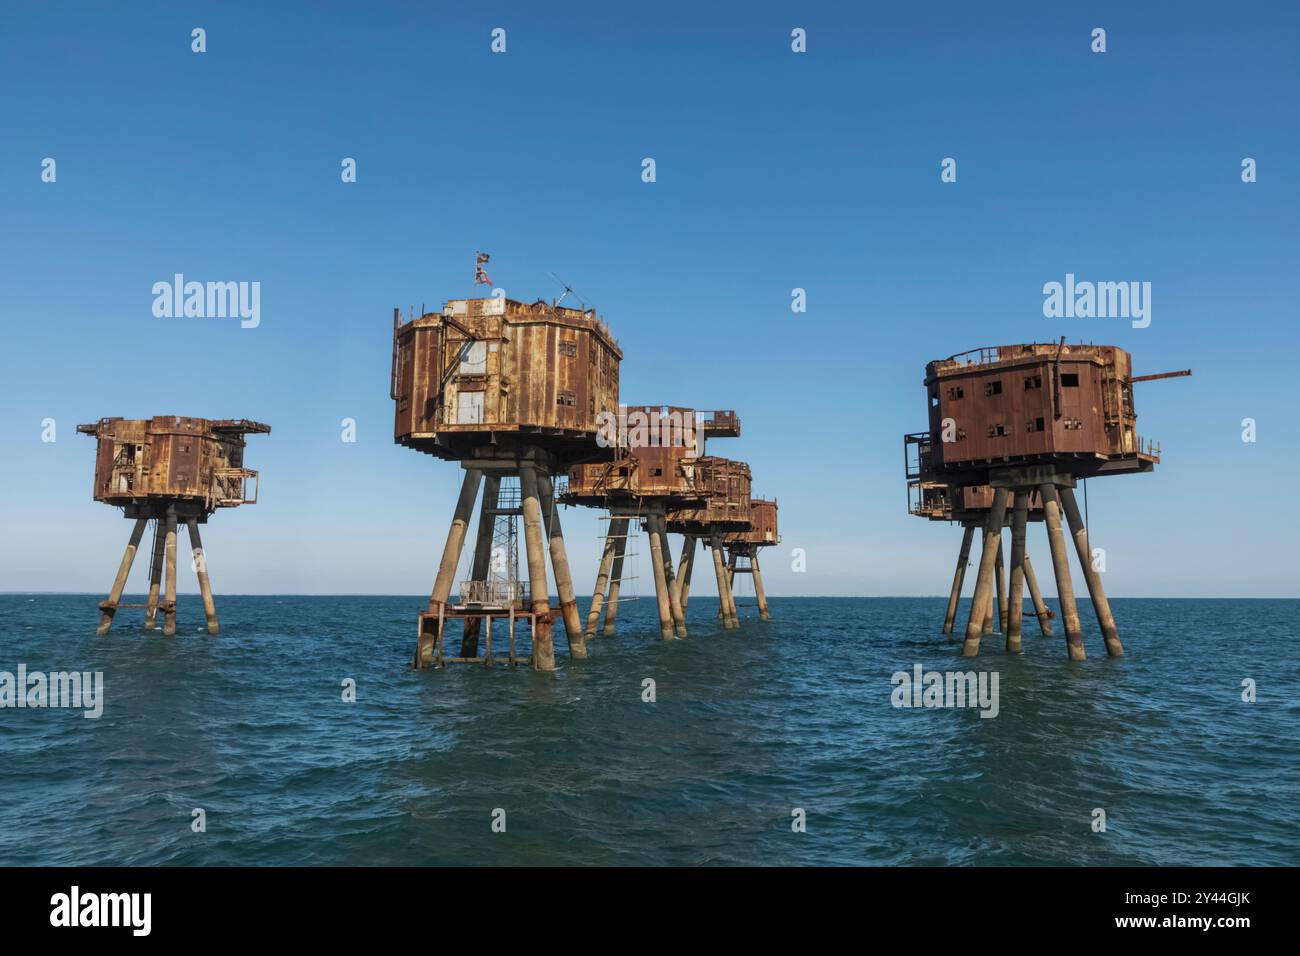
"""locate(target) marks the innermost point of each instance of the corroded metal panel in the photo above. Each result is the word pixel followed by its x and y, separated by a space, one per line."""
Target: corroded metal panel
pixel 486 371
pixel 195 461
pixel 726 484
pixel 1034 403
pixel 762 530
pixel 657 447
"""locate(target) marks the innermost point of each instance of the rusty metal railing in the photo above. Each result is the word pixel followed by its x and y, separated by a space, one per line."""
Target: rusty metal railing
pixel 492 593
pixel 230 487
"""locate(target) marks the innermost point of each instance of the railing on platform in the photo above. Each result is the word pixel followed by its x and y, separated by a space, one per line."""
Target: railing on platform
pixel 500 594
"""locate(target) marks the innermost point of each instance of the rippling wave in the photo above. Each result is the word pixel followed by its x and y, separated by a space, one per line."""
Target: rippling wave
pixel 748 726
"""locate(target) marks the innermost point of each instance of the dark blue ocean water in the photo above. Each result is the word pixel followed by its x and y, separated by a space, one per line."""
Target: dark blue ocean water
pixel 748 725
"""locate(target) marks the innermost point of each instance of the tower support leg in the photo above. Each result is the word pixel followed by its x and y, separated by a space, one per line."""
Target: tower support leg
pixel 727 609
pixel 982 602
pixel 1015 609
pixel 674 587
pixel 169 615
pixel 1100 605
pixel 688 566
pixel 760 596
pixel 616 578
pixel 657 562
pixel 155 574
pixel 729 560
pixel 109 607
pixel 602 577
pixel 201 570
pixel 1040 606
pixel 958 578
pixel 1061 566
pixel 560 567
pixel 442 584
pixel 482 557
pixel 1002 587
pixel 543 645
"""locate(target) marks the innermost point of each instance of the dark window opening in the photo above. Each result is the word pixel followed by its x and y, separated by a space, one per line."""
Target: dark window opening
pixel 1069 380
pixel 997 431
pixel 564 398
pixel 656 472
pixel 993 388
pixel 1037 425
pixel 956 392
pixel 1033 381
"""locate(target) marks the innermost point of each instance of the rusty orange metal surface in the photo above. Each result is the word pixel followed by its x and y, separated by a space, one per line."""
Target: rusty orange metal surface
pixel 494 371
pixel 762 530
pixel 727 505
pixel 196 462
pixel 1035 404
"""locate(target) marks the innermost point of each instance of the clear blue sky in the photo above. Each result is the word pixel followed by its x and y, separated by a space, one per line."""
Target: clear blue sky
pixel 775 170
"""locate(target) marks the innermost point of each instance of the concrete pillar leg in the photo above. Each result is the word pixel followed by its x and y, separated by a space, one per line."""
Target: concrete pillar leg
pixel 724 586
pixel 982 602
pixel 958 578
pixel 1015 609
pixel 442 584
pixel 729 609
pixel 1001 569
pixel 602 579
pixel 616 577
pixel 688 566
pixel 1100 605
pixel 1061 566
pixel 731 583
pixel 155 574
pixel 1040 606
pixel 201 570
pixel 169 615
pixel 760 596
pixel 109 607
pixel 657 563
pixel 560 565
pixel 482 557
pixel 543 646
pixel 674 586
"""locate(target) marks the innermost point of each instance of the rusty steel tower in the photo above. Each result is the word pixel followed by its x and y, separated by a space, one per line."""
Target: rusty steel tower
pixel 743 545
pixel 658 468
pixel 169 469
pixel 724 509
pixel 1025 421
pixel 509 390
pixel 969 506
